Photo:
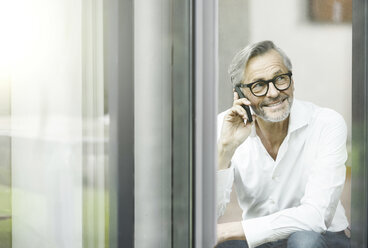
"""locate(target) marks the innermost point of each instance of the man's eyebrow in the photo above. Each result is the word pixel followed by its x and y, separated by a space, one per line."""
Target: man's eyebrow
pixel 273 75
pixel 278 72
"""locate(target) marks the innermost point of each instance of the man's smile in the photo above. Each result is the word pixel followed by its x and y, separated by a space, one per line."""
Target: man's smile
pixel 274 104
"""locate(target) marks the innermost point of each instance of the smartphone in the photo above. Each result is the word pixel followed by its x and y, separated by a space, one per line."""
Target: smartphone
pixel 246 107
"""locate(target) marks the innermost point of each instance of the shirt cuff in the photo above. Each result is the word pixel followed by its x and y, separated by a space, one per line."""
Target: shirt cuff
pixel 225 180
pixel 257 231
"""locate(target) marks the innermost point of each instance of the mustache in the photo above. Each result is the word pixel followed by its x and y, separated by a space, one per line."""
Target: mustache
pixel 273 100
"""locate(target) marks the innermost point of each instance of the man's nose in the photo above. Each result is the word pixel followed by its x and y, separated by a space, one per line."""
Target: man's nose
pixel 272 91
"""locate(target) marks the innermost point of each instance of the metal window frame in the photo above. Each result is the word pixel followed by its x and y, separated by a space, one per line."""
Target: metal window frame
pixel 205 81
pixel 359 201
pixel 182 124
pixel 119 75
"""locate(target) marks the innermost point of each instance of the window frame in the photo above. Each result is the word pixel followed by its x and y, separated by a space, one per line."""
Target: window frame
pixel 359 200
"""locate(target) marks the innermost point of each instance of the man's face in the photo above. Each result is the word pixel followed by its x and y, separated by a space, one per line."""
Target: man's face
pixel 275 105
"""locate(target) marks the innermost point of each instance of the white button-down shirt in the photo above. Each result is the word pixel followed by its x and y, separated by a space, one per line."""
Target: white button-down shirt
pixel 300 190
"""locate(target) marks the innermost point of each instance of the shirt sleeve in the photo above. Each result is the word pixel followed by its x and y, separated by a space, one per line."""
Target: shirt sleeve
pixel 225 179
pixel 322 193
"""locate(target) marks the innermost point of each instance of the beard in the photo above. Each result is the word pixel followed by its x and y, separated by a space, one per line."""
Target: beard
pixel 274 116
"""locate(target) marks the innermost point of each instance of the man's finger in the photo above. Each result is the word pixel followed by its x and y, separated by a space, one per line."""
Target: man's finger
pixel 241 111
pixel 242 101
pixel 236 97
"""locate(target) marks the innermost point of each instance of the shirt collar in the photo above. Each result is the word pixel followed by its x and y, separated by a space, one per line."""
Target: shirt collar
pixel 299 117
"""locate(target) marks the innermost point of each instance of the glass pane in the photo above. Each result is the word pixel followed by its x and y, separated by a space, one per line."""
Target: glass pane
pixel 5 153
pixel 162 86
pixel 54 122
pixel 317 37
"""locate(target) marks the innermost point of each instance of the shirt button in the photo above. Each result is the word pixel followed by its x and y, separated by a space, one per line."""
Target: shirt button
pixel 276 178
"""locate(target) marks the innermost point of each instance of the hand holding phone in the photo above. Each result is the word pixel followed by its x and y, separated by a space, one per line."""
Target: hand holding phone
pixel 247 109
pixel 234 130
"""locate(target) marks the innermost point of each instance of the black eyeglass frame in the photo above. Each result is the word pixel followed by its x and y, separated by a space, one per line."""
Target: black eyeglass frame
pixel 289 74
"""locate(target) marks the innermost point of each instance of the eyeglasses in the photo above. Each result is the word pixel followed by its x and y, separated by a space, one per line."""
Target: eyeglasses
pixel 260 87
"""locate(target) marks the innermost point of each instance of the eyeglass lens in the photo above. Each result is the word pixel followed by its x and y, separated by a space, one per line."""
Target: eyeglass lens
pixel 281 82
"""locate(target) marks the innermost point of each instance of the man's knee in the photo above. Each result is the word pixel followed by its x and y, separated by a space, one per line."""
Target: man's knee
pixel 306 239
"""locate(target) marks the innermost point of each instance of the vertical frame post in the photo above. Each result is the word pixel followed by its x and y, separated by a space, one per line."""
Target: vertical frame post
pixel 205 90
pixel 119 74
pixel 182 124
pixel 359 204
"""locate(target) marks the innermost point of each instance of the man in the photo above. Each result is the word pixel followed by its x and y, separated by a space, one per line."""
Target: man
pixel 288 165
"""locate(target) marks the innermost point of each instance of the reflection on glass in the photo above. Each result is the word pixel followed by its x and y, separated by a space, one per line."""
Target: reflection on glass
pixel 5 162
pixel 319 50
pixel 5 139
pixel 53 125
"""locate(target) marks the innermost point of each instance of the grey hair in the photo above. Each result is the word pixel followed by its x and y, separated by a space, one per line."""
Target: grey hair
pixel 240 60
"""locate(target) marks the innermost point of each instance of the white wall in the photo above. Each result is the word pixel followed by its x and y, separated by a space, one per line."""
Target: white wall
pixel 233 36
pixel 320 53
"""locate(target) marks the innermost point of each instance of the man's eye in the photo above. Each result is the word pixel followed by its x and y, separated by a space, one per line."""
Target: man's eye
pixel 259 85
pixel 280 78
